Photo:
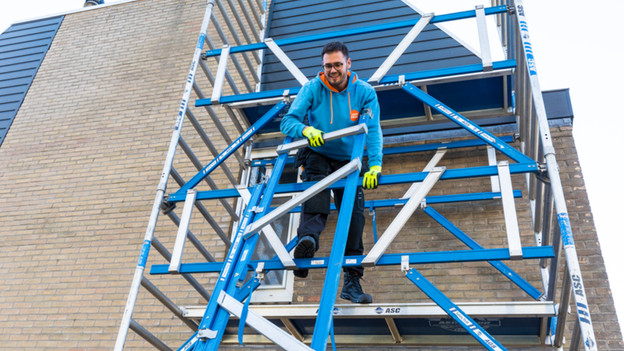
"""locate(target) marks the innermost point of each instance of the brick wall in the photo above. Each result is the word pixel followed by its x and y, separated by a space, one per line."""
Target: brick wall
pixel 79 173
pixel 606 326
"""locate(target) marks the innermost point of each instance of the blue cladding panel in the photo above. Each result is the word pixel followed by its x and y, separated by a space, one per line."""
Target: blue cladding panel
pixel 22 49
pixel 432 49
pixel 557 103
pixel 521 326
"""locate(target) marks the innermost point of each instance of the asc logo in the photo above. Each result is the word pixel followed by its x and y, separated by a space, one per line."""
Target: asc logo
pixel 388 310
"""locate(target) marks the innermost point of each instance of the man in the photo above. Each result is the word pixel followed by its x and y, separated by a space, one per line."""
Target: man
pixel 334 100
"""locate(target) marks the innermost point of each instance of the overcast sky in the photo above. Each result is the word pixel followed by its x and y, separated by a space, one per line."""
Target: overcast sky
pixel 576 48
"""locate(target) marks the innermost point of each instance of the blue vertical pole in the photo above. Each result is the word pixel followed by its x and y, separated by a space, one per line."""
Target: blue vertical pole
pixel 334 268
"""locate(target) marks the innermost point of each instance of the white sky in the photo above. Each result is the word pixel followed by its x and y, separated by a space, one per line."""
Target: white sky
pixel 574 48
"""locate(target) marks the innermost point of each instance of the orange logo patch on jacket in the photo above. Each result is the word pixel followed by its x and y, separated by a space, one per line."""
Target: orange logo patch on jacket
pixel 355 114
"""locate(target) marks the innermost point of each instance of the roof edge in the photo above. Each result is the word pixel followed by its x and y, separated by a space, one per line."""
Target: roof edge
pixel 68 12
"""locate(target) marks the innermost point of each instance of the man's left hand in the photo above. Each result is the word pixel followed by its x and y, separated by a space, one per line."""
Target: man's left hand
pixel 371 178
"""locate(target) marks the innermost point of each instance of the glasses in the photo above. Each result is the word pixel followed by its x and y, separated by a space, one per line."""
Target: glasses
pixel 329 66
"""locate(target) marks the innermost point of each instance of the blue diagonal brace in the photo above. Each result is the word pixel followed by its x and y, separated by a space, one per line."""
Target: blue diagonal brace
pixel 501 267
pixel 241 265
pixel 228 270
pixel 482 336
pixel 465 123
pixel 236 144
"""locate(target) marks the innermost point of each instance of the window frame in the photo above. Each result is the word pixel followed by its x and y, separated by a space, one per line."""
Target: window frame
pixel 275 292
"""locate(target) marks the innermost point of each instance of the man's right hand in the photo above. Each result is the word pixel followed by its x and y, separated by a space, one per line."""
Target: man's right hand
pixel 315 136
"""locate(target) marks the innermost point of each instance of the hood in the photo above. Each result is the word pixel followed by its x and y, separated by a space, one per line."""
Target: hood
pixel 350 81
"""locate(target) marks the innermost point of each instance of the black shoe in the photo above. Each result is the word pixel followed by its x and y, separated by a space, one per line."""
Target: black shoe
pixel 352 290
pixel 304 249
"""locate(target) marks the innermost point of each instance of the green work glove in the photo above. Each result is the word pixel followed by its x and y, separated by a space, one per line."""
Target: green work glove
pixel 315 136
pixel 371 178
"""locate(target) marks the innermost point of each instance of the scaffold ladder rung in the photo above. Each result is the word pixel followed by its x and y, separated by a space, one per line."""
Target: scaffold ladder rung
pixel 509 210
pixel 178 247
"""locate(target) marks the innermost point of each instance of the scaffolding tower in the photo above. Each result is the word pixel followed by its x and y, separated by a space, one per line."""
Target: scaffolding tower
pixel 254 161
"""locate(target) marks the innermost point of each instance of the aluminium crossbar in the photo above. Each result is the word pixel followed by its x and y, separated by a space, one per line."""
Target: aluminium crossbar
pixel 337 134
pixel 271 235
pixel 400 49
pixel 428 168
pixel 266 328
pixel 321 185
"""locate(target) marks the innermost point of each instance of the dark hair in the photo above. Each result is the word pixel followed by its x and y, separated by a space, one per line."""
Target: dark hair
pixel 335 46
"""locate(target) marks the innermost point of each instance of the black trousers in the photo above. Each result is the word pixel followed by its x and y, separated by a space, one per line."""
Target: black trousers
pixel 316 209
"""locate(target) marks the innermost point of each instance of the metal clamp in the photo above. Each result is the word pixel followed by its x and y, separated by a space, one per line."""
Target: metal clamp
pixel 542 174
pixel 166 207
pixel 206 334
pixel 286 96
pixel 257 209
pixel 260 271
pixel 405 263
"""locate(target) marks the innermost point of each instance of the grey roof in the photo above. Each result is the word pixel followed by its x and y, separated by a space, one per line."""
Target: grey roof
pixel 22 49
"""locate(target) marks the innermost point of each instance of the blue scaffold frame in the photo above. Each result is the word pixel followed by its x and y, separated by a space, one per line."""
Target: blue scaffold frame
pixel 234 270
pixel 360 30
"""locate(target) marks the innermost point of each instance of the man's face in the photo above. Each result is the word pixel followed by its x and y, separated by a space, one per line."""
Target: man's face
pixel 337 74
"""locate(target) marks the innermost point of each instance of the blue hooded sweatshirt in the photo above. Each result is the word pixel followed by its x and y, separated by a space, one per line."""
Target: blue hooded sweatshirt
pixel 330 110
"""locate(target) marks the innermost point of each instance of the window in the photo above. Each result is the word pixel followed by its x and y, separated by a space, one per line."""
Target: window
pixel 277 286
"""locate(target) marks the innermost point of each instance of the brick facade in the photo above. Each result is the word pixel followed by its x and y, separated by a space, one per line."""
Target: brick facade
pixel 80 167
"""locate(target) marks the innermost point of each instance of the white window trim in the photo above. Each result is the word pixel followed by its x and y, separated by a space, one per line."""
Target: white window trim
pixel 282 292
